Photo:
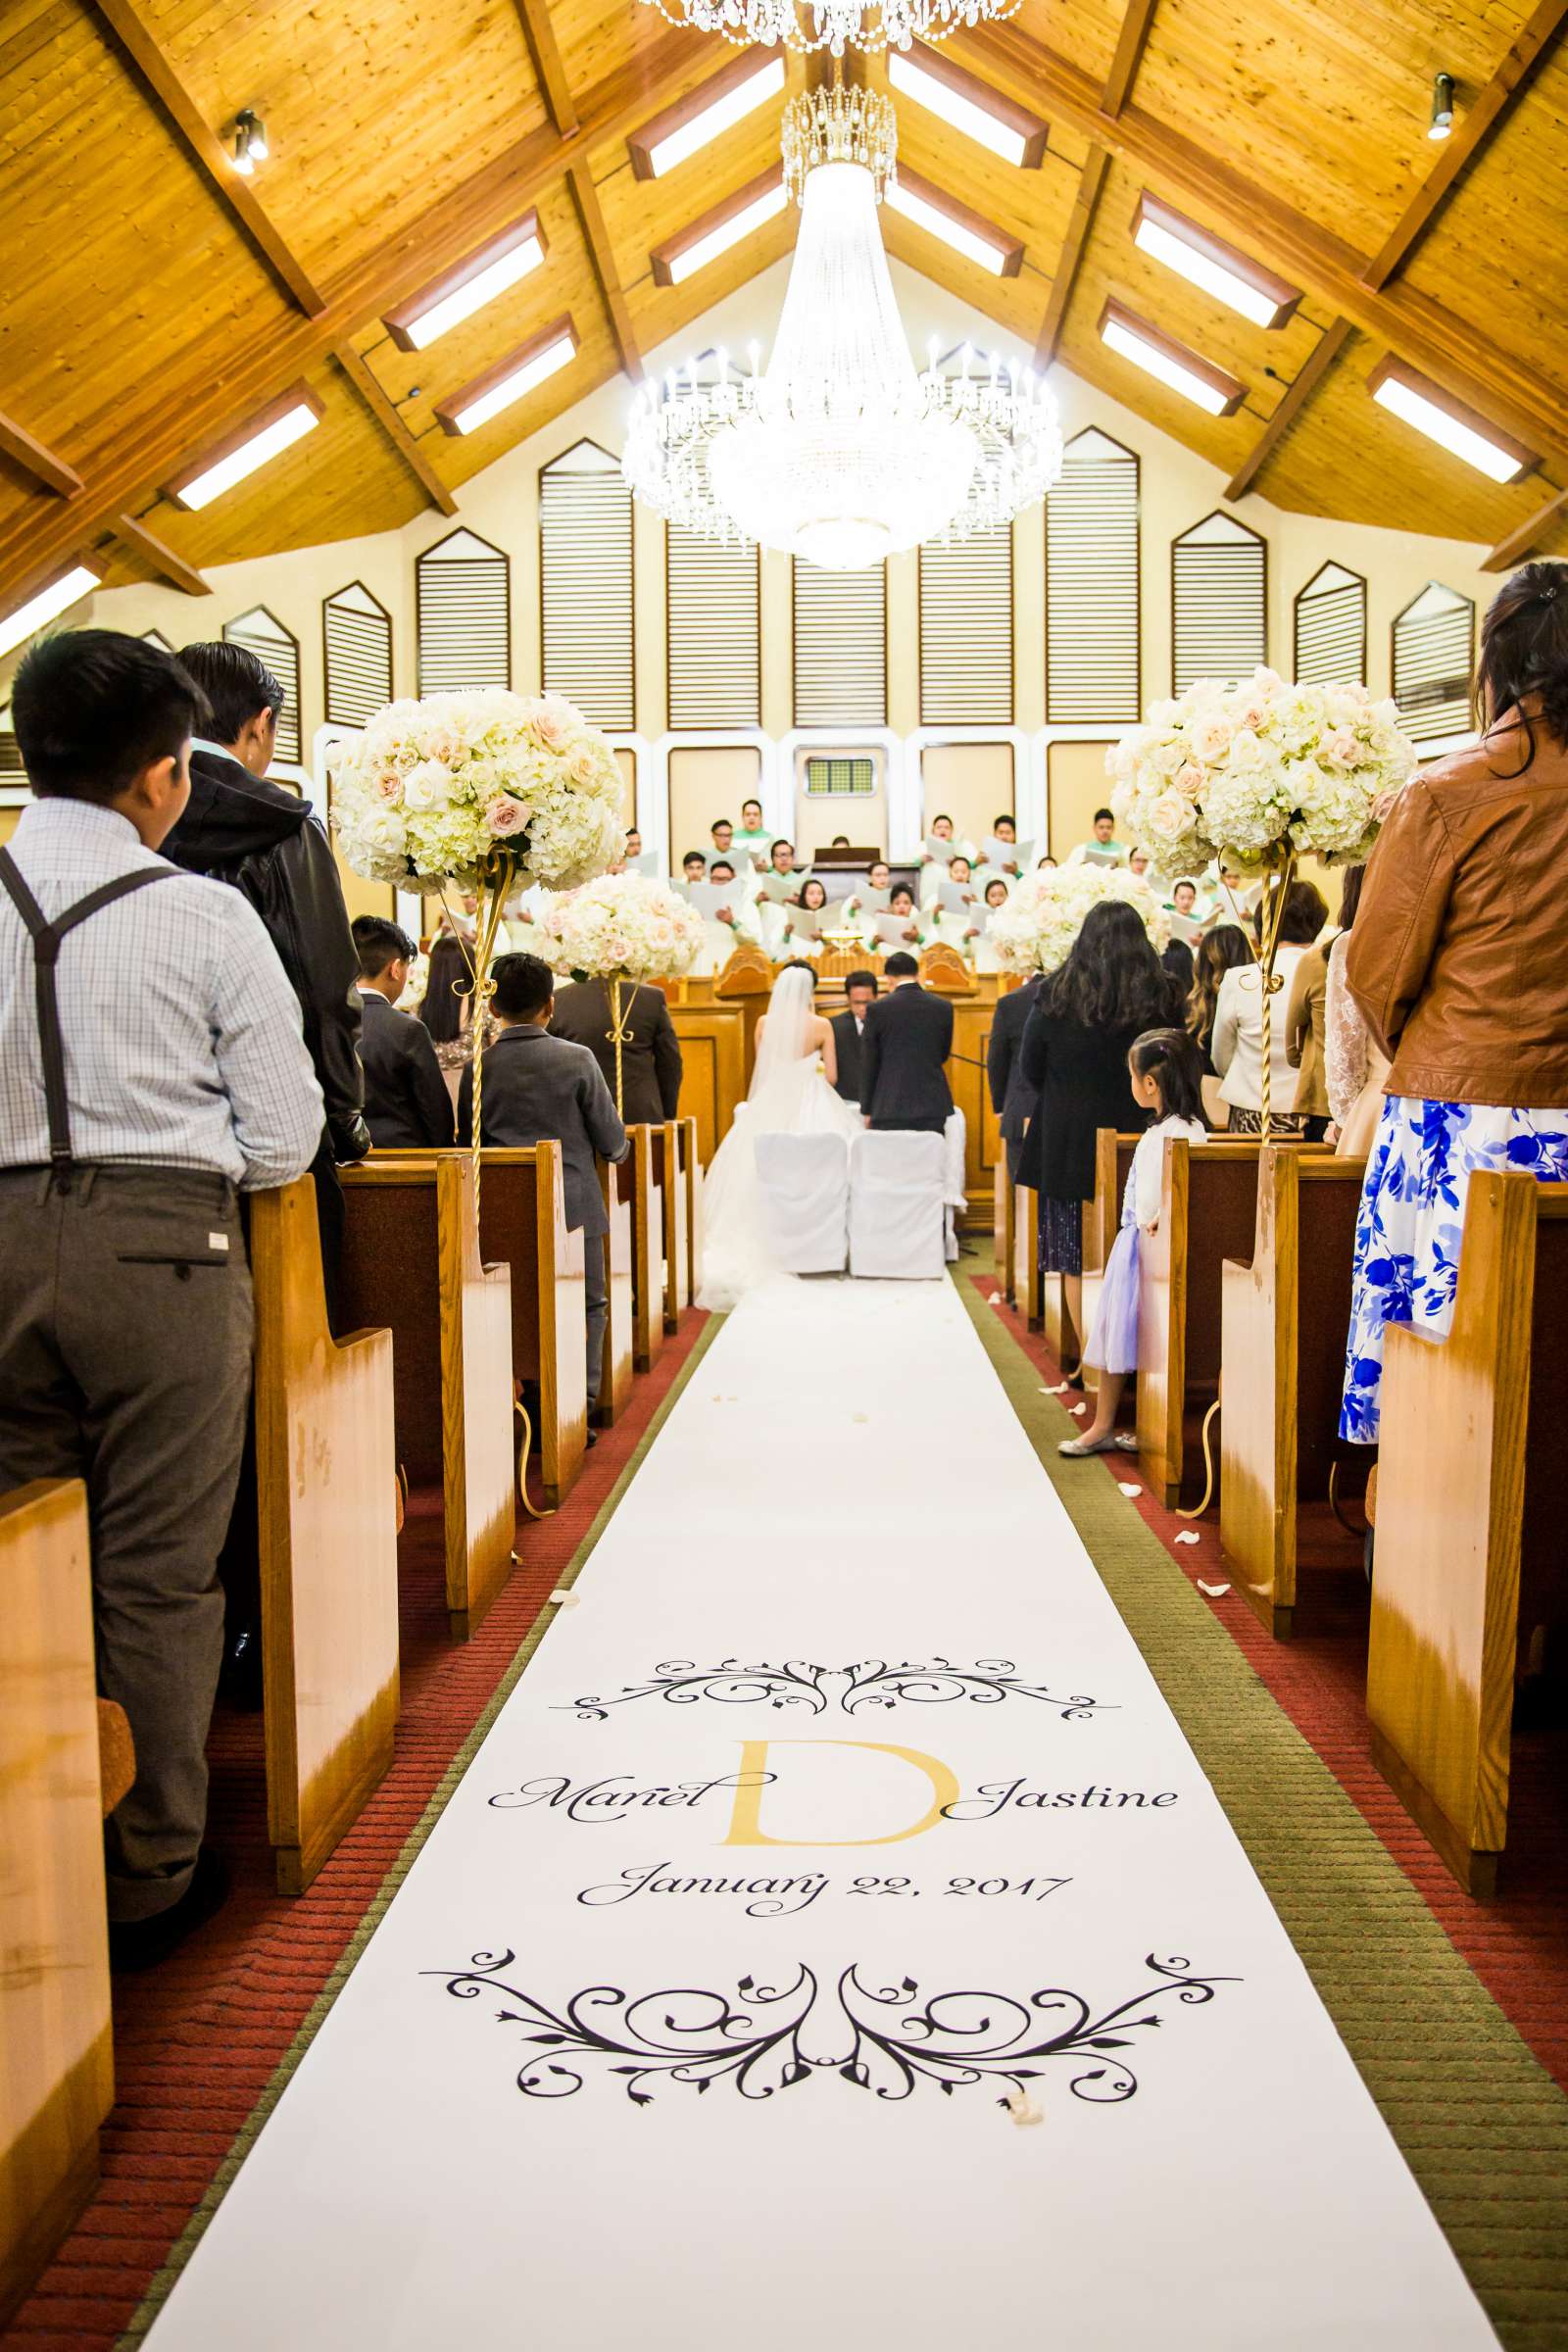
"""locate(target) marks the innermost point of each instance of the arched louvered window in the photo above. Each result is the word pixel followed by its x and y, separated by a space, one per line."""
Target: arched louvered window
pixel 841 651
pixel 585 584
pixel 966 630
pixel 1331 628
pixel 712 592
pixel 1433 642
pixel 262 633
pixel 1093 671
pixel 462 590
pixel 1219 601
pixel 157 637
pixel 357 632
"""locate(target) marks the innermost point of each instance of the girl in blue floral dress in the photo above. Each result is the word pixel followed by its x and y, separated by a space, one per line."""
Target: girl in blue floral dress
pixel 1458 962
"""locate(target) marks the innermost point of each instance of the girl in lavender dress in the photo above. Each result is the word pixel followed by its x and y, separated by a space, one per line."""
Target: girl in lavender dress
pixel 1166 1078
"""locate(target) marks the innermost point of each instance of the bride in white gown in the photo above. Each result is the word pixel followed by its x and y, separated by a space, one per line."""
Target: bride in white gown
pixel 790 1094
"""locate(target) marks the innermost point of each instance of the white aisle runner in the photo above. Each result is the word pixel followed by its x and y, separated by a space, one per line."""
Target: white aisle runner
pixel 842 1810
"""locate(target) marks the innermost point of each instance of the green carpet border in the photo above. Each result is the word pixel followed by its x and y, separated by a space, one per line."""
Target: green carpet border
pixel 190 2236
pixel 1479 2121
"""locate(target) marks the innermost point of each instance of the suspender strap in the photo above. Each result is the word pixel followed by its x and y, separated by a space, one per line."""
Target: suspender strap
pixel 46 940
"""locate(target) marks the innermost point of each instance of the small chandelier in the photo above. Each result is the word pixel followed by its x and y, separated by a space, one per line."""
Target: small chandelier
pixel 841 453
pixel 869 26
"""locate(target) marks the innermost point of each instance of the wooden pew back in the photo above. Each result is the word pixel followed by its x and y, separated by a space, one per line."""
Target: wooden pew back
pixel 1208 1214
pixel 1471 1491
pixel 694 1174
pixel 1027 1295
pixel 1284 1321
pixel 412 1261
pixel 641 1187
pixel 617 1371
pixel 326 1477
pixel 674 1243
pixel 56 2076
pixel 524 1226
pixel 1004 1206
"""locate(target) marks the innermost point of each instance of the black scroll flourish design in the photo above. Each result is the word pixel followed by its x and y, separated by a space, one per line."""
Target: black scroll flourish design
pixel 869 1682
pixel 684 2035
pixel 885 2040
pixel 682 1681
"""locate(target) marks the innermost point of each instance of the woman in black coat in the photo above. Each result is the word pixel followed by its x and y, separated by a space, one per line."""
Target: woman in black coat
pixel 1074 1060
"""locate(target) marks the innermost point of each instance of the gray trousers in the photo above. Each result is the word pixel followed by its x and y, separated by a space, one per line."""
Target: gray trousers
pixel 125 1327
pixel 596 1299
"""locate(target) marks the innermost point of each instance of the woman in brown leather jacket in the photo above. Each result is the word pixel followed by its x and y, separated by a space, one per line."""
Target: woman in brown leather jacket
pixel 1458 961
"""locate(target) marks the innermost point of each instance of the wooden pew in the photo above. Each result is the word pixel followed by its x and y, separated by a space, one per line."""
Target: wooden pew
pixel 522 1211
pixel 1027 1297
pixel 693 1172
pixel 1472 1490
pixel 327 1483
pixel 1113 1160
pixel 1284 1319
pixel 673 1243
pixel 1004 1209
pixel 411 1259
pixel 57 2075
pixel 1208 1214
pixel 639 1185
pixel 617 1371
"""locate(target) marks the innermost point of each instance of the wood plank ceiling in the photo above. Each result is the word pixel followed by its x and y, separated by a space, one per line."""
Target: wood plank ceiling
pixel 154 301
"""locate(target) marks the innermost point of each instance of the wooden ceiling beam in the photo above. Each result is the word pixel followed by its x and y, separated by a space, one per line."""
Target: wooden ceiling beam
pixel 1458 153
pixel 1441 343
pixel 1070 261
pixel 385 413
pixel 1289 408
pixel 550 71
pixel 153 68
pixel 140 457
pixel 1527 536
pixel 165 562
pixel 1131 42
pixel 601 254
pixel 49 471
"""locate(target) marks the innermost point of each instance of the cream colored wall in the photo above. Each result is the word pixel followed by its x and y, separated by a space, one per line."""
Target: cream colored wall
pixel 502 505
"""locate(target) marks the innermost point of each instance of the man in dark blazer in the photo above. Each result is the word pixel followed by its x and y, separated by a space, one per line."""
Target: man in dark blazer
pixel 651 1054
pixel 539 1088
pixel 848 1029
pixel 406 1097
pixel 1012 1102
pixel 908 1036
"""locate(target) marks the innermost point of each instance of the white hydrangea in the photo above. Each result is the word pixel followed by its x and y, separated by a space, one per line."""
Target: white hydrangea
pixel 1035 930
pixel 443 789
pixel 1246 772
pixel 623 925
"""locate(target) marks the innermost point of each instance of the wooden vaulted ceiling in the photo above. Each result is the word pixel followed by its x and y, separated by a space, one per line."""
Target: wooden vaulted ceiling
pixel 153 301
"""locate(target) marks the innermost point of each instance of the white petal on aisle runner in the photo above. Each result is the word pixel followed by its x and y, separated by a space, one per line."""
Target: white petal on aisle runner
pixel 840 1831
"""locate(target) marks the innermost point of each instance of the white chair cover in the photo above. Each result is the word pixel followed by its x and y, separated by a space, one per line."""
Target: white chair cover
pixel 803 1183
pixel 897 1205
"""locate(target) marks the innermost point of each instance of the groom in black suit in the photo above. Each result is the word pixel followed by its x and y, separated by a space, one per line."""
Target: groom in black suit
pixel 905 1043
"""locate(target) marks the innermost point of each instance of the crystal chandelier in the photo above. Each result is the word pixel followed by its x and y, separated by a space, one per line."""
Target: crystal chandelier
pixel 841 453
pixel 833 25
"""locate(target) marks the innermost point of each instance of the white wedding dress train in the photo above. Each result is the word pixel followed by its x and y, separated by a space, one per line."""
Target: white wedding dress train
pixel 788 1095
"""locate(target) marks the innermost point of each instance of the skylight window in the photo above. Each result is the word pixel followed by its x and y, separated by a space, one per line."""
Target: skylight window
pixel 682 130
pixel 444 304
pixel 966 103
pixel 929 208
pixel 511 380
pixel 277 429
pixel 1182 371
pixel 1209 261
pixel 1449 422
pixel 727 225
pixel 50 601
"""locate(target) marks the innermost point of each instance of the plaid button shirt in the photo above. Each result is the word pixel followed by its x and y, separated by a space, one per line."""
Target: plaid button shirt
pixel 181 1035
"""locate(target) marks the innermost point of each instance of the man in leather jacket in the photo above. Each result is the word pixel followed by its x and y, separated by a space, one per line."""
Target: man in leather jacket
pixel 264 842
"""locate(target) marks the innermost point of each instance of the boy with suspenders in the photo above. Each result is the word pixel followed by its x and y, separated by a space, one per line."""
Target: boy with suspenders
pixel 151 1068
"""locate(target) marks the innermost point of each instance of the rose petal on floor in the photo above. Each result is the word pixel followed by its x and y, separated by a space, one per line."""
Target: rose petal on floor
pixel 566 1600
pixel 1128 1488
pixel 1213 1591
pixel 1022 2109
pixel 1061 1389
pixel 1189 1535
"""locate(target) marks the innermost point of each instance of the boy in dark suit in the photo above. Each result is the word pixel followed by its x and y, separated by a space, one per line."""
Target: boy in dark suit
pixel 906 1041
pixel 538 1089
pixel 406 1099
pixel 848 1029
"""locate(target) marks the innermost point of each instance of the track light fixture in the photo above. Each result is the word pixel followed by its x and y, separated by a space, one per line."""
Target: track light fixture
pixel 249 141
pixel 1442 124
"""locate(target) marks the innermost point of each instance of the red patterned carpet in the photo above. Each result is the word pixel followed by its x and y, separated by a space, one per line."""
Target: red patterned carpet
pixel 196 2041
pixel 1517 1944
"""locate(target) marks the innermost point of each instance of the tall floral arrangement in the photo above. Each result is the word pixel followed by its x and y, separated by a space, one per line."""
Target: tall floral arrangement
pixel 1035 930
pixel 623 927
pixel 1258 772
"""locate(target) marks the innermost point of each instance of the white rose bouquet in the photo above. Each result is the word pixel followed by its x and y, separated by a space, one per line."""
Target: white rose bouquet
pixel 1035 930
pixel 476 789
pixel 1253 773
pixel 624 926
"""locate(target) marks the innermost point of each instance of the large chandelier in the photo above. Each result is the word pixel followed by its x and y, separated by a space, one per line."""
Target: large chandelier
pixel 841 453
pixel 833 25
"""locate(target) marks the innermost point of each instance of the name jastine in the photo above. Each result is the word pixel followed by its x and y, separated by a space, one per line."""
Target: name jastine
pixel 995 1796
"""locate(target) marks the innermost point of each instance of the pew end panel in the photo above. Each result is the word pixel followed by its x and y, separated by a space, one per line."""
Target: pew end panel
pixel 326 1476
pixel 1469 1523
pixel 1208 1214
pixel 674 1236
pixel 618 1372
pixel 1002 1207
pixel 648 1250
pixel 57 2081
pixel 523 1218
pixel 1284 1320
pixel 1101 1221
pixel 1026 1280
pixel 693 1171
